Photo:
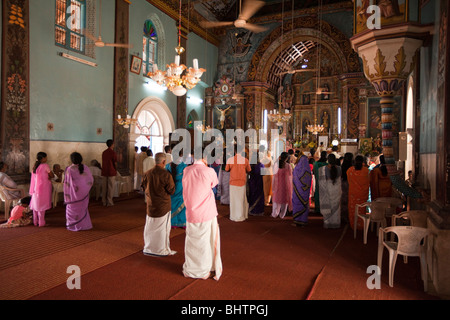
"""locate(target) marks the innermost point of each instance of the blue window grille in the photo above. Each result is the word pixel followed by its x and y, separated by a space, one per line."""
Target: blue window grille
pixel 70 21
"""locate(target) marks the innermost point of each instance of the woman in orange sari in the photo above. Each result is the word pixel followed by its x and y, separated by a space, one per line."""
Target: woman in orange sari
pixel 358 190
pixel 380 182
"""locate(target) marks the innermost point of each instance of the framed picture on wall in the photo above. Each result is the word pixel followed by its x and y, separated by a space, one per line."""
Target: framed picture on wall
pixel 136 64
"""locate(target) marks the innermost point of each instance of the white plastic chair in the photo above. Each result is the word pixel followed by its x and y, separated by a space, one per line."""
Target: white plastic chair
pixel 416 218
pixel 97 187
pixel 10 202
pixel 393 204
pixel 124 184
pixel 411 243
pixel 377 215
pixel 58 188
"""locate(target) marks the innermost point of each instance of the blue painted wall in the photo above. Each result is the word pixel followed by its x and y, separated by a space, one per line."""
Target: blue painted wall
pixel 77 98
pixel 197 47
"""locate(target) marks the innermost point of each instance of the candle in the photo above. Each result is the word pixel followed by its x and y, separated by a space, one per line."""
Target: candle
pixel 128 116
pixel 196 64
pixel 119 117
pixel 177 60
pixel 286 111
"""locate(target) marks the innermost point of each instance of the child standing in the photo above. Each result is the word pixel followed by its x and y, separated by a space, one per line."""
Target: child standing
pixel 19 217
pixel 41 189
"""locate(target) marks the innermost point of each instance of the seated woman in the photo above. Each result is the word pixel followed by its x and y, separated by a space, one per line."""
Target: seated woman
pixel 9 183
pixel 57 183
pixel 58 172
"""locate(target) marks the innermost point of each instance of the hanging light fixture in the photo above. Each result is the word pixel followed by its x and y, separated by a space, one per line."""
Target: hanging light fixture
pixel 317 128
pixel 125 122
pixel 279 116
pixel 173 78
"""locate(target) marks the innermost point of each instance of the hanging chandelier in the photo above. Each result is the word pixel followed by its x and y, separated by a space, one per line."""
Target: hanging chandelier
pixel 125 122
pixel 278 116
pixel 317 128
pixel 173 78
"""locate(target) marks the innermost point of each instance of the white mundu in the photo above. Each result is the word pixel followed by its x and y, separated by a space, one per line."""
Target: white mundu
pixel 201 259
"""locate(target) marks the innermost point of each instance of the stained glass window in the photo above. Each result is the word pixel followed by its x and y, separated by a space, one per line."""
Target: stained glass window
pixel 150 45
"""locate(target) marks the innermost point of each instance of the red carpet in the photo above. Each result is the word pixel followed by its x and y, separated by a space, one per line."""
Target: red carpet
pixel 263 259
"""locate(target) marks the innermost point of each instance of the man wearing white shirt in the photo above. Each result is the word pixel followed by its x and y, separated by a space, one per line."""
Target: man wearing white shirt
pixel 149 162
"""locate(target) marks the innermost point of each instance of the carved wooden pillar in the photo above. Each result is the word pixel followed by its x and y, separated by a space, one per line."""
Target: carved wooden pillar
pixel 121 63
pixel 209 105
pixel 15 86
pixel 442 116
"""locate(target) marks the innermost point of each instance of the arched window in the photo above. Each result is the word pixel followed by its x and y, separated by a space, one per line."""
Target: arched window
pixel 149 128
pixel 150 47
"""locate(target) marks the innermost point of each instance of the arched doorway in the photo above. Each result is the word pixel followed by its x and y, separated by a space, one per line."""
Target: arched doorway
pixel 153 125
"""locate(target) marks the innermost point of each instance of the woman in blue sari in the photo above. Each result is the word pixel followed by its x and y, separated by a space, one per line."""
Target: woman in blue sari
pixel 178 208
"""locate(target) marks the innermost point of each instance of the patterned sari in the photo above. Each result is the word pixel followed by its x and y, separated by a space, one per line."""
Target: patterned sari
pixel 178 209
pixel 302 179
pixel 76 197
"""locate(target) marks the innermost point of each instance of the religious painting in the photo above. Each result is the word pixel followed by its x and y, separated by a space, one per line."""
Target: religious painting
pixel 365 145
pixel 224 117
pixel 136 64
pixel 240 43
pixel 326 92
pixel 306 99
pixel 325 119
pixel 374 116
pixel 391 12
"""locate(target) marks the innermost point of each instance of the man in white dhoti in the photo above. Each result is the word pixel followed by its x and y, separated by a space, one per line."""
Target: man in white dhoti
pixel 239 167
pixel 159 186
pixel 202 246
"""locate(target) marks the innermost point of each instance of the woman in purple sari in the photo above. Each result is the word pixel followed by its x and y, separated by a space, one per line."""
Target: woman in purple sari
pixel 78 182
pixel 300 195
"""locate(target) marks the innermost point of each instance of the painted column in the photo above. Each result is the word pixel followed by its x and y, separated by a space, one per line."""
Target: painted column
pixel 15 86
pixel 388 56
pixel 121 63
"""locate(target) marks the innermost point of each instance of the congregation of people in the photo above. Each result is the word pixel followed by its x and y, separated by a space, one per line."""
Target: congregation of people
pixel 184 194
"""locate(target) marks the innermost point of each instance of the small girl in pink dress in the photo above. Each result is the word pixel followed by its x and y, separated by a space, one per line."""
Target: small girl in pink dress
pixel 19 216
pixel 41 189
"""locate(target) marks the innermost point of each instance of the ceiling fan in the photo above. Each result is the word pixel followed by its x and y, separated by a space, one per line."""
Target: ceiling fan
pixel 249 8
pixel 98 42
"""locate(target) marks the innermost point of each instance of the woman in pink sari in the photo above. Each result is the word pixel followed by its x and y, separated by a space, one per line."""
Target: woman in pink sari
pixel 41 189
pixel 78 182
pixel 282 187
